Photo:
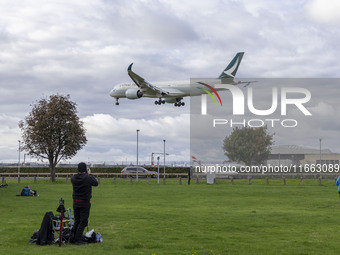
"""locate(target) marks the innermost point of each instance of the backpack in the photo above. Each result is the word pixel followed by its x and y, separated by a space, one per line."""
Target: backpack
pixel 34 237
pixel 90 237
pixel 26 192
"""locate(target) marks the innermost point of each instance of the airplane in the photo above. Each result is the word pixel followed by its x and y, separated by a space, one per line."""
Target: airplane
pixel 172 91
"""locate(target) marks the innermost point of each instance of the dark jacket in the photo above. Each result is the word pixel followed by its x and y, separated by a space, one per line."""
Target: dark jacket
pixel 46 235
pixel 82 186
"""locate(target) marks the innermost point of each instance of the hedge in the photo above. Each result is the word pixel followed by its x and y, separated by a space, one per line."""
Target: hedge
pixel 115 169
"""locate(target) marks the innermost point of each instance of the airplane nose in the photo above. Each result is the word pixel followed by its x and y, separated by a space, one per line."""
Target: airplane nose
pixel 112 92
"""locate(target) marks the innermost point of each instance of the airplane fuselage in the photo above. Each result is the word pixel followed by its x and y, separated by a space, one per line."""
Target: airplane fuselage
pixel 179 88
pixel 172 91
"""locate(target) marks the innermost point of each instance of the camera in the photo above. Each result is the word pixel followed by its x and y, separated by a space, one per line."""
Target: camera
pixel 61 207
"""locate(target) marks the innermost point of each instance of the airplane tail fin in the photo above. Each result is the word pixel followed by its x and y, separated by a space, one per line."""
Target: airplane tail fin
pixel 231 69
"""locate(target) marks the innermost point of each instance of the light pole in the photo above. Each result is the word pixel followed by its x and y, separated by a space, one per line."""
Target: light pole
pixel 320 150
pixel 137 157
pixel 158 168
pixel 164 157
pixel 19 160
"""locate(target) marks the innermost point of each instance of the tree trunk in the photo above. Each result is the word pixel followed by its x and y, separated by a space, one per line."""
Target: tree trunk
pixel 52 168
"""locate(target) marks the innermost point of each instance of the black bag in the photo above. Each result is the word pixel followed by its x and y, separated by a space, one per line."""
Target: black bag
pixel 46 234
pixel 34 237
pixel 91 239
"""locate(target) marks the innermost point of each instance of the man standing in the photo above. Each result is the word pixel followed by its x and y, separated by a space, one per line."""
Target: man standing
pixel 82 183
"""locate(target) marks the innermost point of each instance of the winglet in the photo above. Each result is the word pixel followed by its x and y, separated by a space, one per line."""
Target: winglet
pixel 143 84
pixel 231 69
pixel 130 66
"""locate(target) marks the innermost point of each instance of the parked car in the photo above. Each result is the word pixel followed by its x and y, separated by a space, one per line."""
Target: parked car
pixel 130 171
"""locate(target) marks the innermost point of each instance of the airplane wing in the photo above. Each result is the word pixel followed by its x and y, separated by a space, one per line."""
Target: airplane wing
pixel 145 86
pixel 174 92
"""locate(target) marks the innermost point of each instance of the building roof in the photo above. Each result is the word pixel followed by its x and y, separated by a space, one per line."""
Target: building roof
pixel 295 149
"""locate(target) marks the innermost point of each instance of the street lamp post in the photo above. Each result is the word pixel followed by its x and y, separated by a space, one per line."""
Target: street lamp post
pixel 320 150
pixel 19 160
pixel 158 169
pixel 164 157
pixel 137 157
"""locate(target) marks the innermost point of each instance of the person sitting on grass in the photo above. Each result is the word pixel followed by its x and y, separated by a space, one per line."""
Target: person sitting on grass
pixel 28 192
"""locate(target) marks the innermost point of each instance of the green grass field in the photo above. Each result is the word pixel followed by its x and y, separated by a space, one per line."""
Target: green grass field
pixel 184 219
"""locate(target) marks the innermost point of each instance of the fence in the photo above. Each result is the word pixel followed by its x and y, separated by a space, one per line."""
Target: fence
pixel 196 178
pixel 67 176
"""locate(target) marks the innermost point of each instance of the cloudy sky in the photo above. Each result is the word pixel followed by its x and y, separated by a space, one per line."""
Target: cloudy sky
pixel 83 48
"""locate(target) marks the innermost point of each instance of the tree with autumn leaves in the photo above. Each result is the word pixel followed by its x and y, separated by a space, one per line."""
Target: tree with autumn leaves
pixel 53 131
pixel 248 145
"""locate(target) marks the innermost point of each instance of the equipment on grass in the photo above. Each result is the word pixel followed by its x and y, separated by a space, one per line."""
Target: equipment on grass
pixel 61 209
pixel 60 226
pixel 63 224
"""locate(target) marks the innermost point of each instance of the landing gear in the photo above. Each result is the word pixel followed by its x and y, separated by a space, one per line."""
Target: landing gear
pixel 179 102
pixel 160 101
pixel 117 103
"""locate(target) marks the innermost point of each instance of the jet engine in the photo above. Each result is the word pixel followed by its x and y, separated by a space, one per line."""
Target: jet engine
pixel 133 93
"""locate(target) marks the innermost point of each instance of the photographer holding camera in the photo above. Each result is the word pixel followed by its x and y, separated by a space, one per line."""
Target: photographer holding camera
pixel 82 183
